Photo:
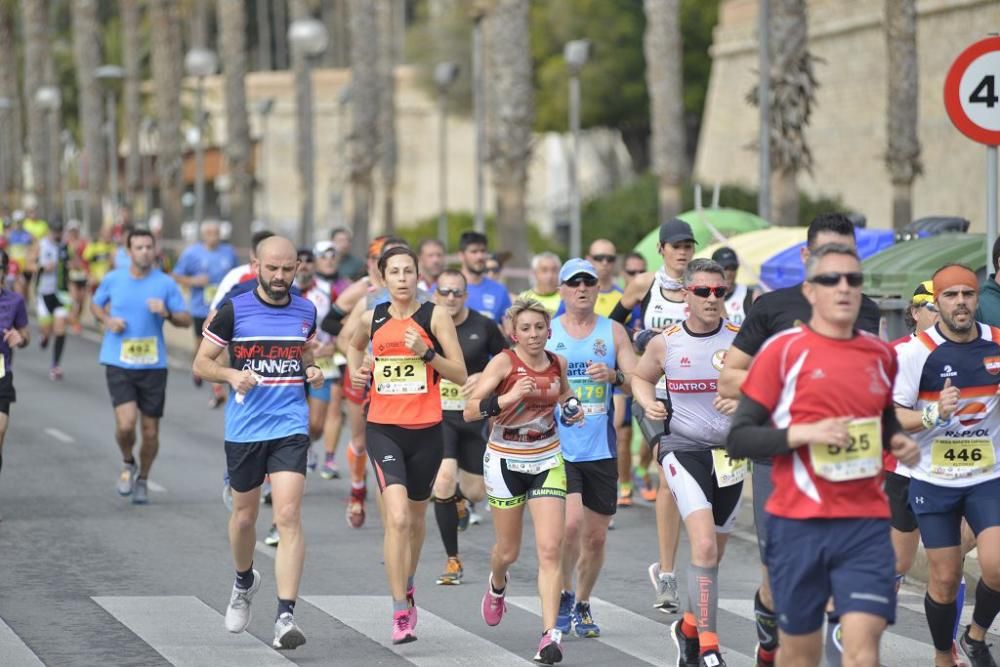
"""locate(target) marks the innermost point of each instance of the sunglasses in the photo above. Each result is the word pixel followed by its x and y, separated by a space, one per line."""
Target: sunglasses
pixel 329 254
pixel 703 292
pixel 607 259
pixel 492 269
pixel 444 291
pixel 634 272
pixel 832 279
pixel 576 281
pixel 931 308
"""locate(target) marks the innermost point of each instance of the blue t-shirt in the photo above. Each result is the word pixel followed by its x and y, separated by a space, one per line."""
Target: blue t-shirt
pixel 141 345
pixel 122 259
pixel 268 340
pixel 198 260
pixel 13 315
pixel 489 298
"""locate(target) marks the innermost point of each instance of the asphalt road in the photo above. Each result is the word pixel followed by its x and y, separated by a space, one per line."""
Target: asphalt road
pixel 90 579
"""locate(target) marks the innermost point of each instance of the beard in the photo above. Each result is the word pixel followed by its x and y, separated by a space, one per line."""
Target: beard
pixel 953 325
pixel 275 290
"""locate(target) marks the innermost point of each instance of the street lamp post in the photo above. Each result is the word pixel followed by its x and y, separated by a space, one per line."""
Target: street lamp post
pixel 6 104
pixel 48 99
pixel 309 39
pixel 444 75
pixel 479 108
pixel 200 62
pixel 109 75
pixel 264 108
pixel 576 53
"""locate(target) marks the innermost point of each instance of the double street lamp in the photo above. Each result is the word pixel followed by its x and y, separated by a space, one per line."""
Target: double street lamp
pixel 444 75
pixel 576 54
pixel 110 76
pixel 309 39
pixel 49 100
pixel 200 62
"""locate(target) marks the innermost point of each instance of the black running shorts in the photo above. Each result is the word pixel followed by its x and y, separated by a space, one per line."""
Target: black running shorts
pixel 147 388
pixel 249 462
pixel 407 456
pixel 7 393
pixel 897 487
pixel 464 441
pixel 596 482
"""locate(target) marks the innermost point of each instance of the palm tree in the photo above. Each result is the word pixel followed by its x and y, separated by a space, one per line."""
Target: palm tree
pixel 232 42
pixel 903 154
pixel 364 114
pixel 387 57
pixel 165 27
pixel 11 147
pixel 131 57
pixel 263 21
pixel 335 16
pixel 511 98
pixel 665 80
pixel 35 22
pixel 87 58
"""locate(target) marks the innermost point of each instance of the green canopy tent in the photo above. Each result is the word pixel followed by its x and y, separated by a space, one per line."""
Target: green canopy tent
pixel 726 221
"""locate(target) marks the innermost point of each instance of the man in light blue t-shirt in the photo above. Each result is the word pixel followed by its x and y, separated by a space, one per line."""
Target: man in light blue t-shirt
pixel 132 304
pixel 484 295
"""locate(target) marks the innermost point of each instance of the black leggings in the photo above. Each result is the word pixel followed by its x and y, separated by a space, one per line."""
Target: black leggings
pixel 407 456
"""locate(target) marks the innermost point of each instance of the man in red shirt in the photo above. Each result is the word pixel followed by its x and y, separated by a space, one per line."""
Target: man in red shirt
pixel 818 399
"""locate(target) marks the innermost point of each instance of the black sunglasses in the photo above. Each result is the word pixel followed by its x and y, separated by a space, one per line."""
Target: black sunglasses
pixel 603 258
pixel 444 291
pixel 704 292
pixel 634 272
pixel 575 281
pixel 832 279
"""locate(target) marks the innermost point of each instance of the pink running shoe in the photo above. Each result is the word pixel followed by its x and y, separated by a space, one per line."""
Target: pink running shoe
pixel 402 633
pixel 550 648
pixel 413 608
pixel 494 606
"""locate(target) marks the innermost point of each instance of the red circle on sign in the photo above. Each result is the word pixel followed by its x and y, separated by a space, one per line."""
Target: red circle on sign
pixel 953 99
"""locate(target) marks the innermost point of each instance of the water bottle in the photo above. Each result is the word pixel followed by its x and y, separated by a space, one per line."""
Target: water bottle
pixel 569 410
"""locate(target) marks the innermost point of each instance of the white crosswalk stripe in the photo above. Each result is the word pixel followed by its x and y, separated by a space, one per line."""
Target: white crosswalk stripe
pixel 13 651
pixel 186 631
pixel 437 638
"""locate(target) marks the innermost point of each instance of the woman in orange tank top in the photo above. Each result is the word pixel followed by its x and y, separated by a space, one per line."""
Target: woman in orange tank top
pixel 523 464
pixel 413 345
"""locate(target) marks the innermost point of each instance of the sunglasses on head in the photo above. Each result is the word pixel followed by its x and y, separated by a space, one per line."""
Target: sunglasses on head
pixel 703 292
pixel 931 308
pixel 444 291
pixel 576 281
pixel 603 258
pixel 832 279
pixel 633 272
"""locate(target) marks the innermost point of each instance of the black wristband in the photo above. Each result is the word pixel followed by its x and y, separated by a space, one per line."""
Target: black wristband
pixel 490 407
pixel 620 313
pixel 429 355
pixel 314 366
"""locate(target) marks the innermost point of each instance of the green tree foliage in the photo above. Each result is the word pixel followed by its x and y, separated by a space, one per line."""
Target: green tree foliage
pixel 463 221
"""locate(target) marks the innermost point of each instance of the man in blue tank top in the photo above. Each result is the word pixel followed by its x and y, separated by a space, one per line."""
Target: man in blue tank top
pixel 600 358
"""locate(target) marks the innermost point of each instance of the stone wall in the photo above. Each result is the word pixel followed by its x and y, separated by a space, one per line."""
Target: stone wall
pixel 848 129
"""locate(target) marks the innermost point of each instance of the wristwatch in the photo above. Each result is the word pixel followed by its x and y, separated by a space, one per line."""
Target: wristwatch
pixel 428 355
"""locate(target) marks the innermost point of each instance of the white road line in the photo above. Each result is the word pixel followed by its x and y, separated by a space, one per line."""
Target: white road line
pixel 13 651
pixel 59 435
pixel 186 631
pixel 630 633
pixel 371 615
pixel 918 607
pixel 154 487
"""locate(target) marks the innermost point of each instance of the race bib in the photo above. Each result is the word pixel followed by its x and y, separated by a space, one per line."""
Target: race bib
pixel 533 467
pixel 861 458
pixel 591 394
pixel 209 294
pixel 140 351
pixel 400 375
pixel 661 387
pixel 330 370
pixel 3 366
pixel 964 457
pixel 728 471
pixel 451 396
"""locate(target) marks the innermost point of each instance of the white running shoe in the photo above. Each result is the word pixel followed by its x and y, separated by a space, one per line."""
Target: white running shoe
pixel 238 611
pixel 126 479
pixel 286 634
pixel 666 590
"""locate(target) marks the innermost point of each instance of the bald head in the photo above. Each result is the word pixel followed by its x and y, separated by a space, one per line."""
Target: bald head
pixel 211 233
pixel 276 247
pixel 277 262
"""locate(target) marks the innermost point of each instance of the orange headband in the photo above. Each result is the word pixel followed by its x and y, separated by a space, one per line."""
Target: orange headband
pixel 954 275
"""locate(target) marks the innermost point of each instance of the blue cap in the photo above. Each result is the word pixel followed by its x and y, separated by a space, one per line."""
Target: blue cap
pixel 574 267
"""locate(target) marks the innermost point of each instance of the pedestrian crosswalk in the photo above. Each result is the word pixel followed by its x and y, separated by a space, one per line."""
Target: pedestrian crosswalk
pixel 186 631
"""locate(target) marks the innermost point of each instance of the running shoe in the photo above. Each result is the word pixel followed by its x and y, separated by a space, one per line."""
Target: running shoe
pixel 287 634
pixel 452 573
pixel 272 538
pixel 583 621
pixel 355 510
pixel 55 374
pixel 214 401
pixel 462 507
pixel 666 590
pixel 761 660
pixel 329 469
pixel 625 498
pixel 312 459
pixel 494 606
pixel 402 633
pixel 687 649
pixel 227 495
pixel 550 648
pixel 474 517
pixel 43 342
pixel 564 619
pixel 976 652
pixel 648 492
pixel 140 493
pixel 711 659
pixel 238 611
pixel 413 608
pixel 265 491
pixel 197 381
pixel 126 480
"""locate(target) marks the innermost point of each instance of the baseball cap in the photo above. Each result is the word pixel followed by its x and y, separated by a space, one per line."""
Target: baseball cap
pixel 726 258
pixel 324 246
pixel 574 267
pixel 306 255
pixel 924 293
pixel 675 230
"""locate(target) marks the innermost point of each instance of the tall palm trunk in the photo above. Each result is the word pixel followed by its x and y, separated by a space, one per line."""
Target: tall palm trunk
pixel 11 147
pixel 279 18
pixel 263 20
pixel 304 132
pixel 388 153
pixel 131 57
pixel 35 21
pixel 665 79
pixel 87 58
pixel 903 155
pixel 165 27
pixel 510 96
pixel 232 42
pixel 364 115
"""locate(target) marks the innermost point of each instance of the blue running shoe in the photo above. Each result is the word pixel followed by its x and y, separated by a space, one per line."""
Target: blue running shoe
pixel 565 618
pixel 583 621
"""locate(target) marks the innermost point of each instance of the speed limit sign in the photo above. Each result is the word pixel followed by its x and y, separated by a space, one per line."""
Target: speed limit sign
pixel 972 92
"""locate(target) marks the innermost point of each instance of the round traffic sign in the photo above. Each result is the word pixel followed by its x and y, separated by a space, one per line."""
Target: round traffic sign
pixel 972 91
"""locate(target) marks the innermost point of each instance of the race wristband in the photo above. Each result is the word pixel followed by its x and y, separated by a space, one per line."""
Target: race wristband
pixel 490 407
pixel 931 416
pixel 314 366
